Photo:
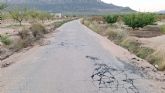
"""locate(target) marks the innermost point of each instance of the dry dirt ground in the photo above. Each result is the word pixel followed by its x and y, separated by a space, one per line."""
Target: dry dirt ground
pixel 154 42
pixel 11 28
pixel 77 60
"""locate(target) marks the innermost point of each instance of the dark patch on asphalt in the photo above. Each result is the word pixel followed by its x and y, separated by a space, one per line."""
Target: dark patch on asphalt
pixel 163 88
pixel 62 44
pixel 6 64
pixel 92 58
pixel 107 77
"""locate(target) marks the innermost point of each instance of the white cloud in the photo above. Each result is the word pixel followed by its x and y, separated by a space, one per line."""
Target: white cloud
pixel 142 5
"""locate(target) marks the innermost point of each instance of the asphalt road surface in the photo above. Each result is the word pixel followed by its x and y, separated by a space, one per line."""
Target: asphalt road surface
pixel 74 61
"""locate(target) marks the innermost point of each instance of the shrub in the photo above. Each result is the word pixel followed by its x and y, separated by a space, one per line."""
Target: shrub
pixel 162 28
pixel 139 20
pixel 24 33
pixel 38 30
pixel 131 44
pixel 157 58
pixel 116 35
pixel 111 19
pixel 86 22
pixel 27 37
pixel 5 39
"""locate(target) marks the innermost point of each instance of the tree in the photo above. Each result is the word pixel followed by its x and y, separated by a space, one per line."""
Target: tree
pixel 34 15
pixel 139 20
pixel 18 15
pixel 44 16
pixel 111 19
pixel 2 7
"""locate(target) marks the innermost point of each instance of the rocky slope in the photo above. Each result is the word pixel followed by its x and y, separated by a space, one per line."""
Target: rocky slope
pixel 96 6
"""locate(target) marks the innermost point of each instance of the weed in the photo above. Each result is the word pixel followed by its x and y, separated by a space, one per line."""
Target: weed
pixel 144 52
pixel 157 58
pixel 5 39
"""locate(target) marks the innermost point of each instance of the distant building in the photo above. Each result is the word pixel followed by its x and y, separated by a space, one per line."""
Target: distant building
pixel 58 15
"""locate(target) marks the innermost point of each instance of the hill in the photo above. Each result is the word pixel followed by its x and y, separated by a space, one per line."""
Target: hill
pixel 66 6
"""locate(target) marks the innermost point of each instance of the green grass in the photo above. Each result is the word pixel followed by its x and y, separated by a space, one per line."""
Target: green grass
pixel 5 39
pixel 122 38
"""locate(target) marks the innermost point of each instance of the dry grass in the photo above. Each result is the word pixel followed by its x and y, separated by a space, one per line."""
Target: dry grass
pixel 116 35
pixel 158 58
pixel 38 30
pixel 122 38
pixel 136 47
pixel 162 28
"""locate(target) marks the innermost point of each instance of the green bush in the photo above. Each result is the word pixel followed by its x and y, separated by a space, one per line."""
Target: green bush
pixel 111 19
pixel 5 39
pixel 139 20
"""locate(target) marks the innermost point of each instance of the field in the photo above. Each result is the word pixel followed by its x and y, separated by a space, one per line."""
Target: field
pixel 21 29
pixel 144 38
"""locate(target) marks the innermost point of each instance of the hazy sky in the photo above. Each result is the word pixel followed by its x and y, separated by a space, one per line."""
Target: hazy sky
pixel 142 5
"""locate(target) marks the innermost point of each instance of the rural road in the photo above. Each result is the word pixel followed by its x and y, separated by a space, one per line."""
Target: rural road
pixel 74 61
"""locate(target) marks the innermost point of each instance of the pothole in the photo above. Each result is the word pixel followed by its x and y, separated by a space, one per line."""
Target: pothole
pixel 116 81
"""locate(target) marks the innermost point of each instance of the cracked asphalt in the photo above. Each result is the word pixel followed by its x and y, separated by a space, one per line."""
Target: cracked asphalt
pixel 73 62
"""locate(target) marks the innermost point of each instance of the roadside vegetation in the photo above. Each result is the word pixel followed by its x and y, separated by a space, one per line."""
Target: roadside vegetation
pixel 5 39
pixel 162 27
pixel 23 28
pixel 111 19
pixel 139 20
pixel 126 31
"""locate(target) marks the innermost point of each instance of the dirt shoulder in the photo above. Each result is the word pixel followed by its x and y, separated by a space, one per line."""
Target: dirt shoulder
pixel 123 54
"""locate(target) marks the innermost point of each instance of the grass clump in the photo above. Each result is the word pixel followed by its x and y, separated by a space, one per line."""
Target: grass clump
pixel 158 58
pixel 30 35
pixel 38 30
pixel 27 38
pixel 116 35
pixel 5 39
pixel 131 44
pixel 162 28
pixel 135 47
pixel 144 52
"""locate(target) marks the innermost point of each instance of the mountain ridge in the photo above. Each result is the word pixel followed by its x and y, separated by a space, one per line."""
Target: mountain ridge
pixel 96 6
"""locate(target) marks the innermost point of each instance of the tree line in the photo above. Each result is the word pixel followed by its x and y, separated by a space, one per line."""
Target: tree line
pixel 134 20
pixel 20 15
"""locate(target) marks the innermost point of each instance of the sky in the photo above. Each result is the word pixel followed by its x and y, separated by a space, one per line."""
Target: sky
pixel 140 5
